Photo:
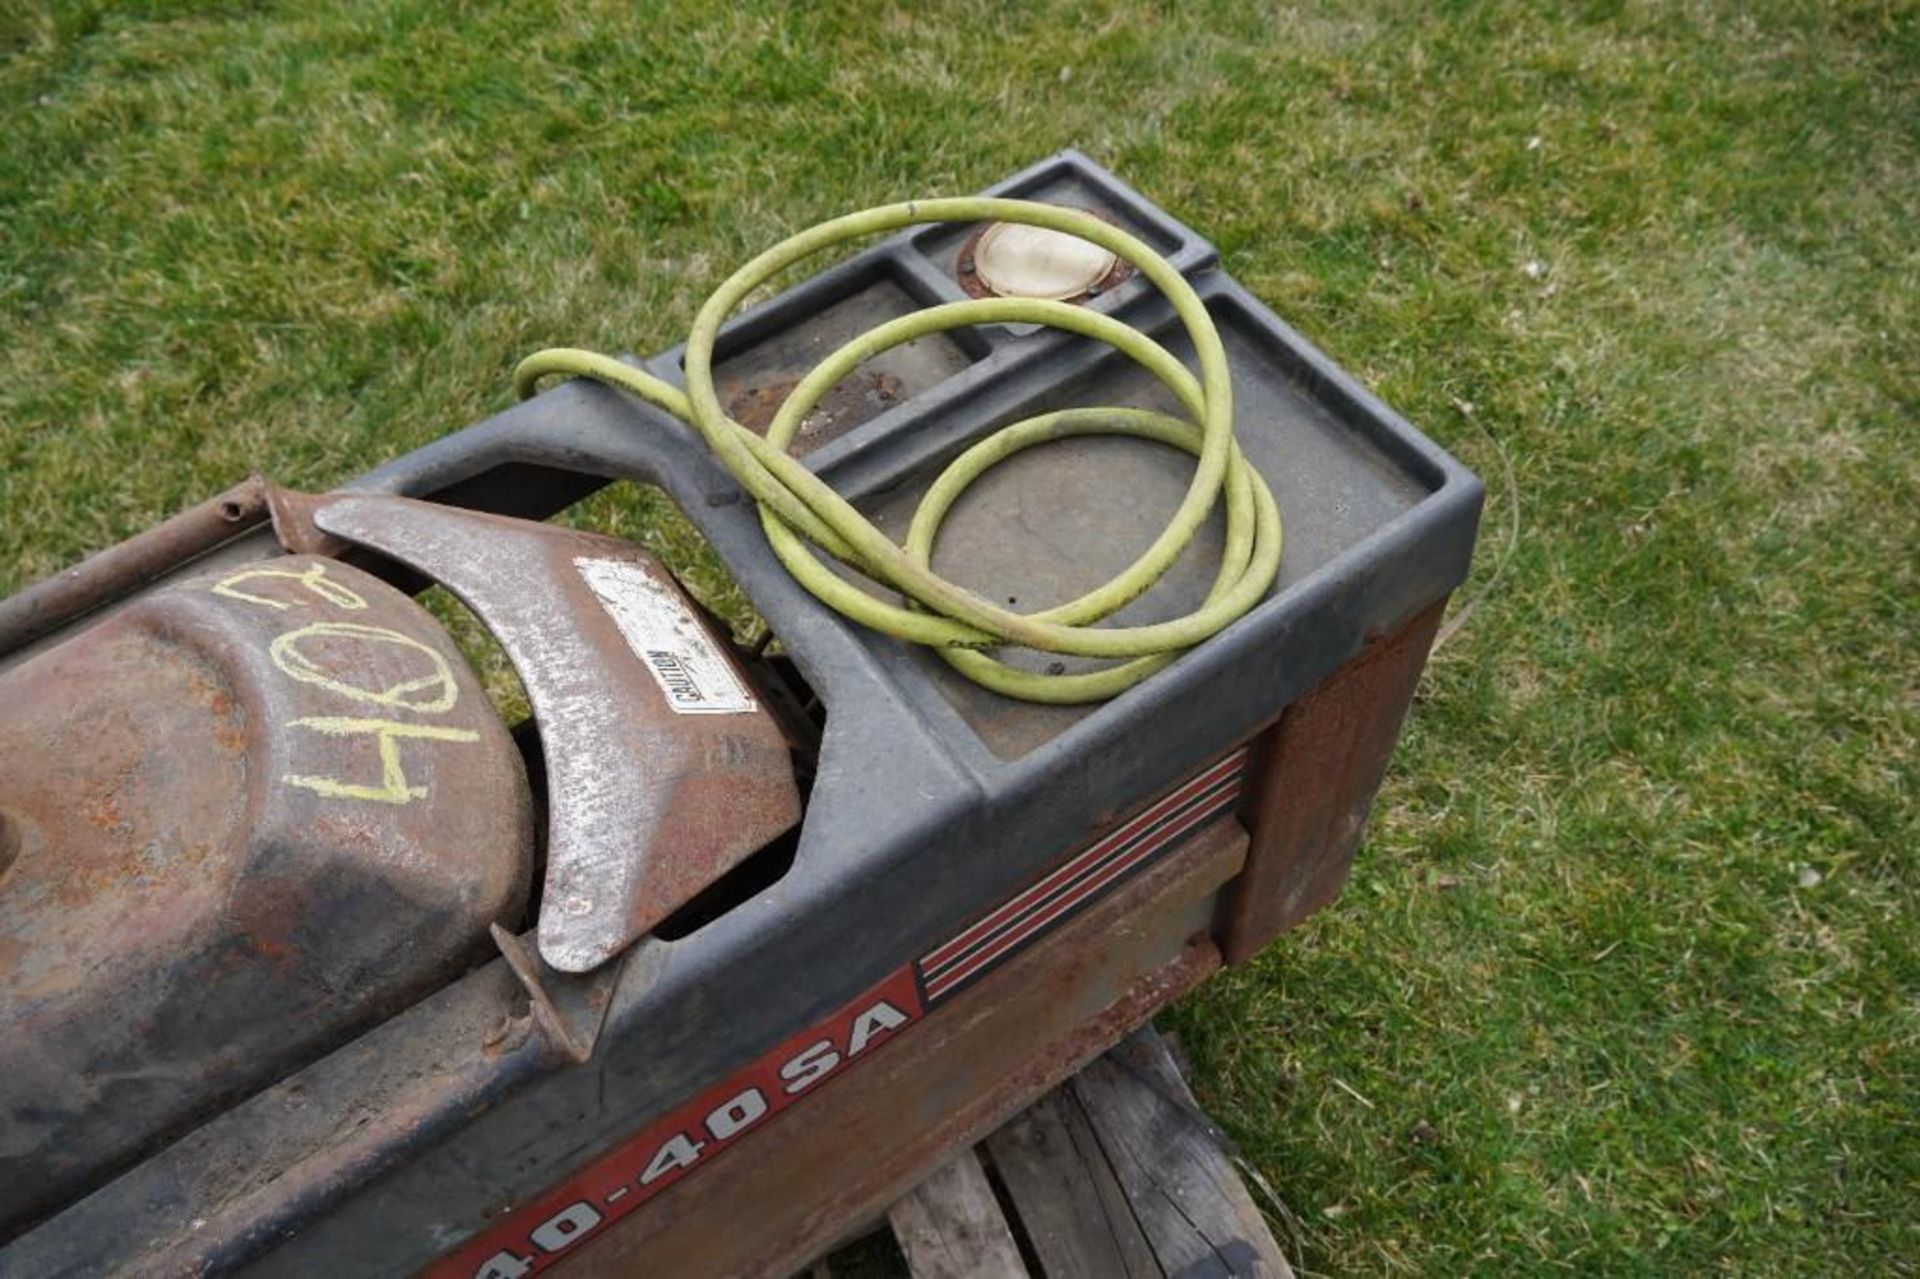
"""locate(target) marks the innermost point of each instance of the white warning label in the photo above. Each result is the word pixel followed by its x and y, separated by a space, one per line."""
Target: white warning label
pixel 668 638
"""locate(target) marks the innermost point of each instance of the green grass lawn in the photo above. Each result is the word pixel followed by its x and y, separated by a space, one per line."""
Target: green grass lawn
pixel 1626 980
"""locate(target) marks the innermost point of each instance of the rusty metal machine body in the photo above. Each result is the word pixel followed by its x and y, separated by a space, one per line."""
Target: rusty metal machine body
pixel 837 906
pixel 190 905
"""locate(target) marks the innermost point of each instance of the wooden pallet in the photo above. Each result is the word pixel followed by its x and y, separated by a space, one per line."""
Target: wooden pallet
pixel 1116 1174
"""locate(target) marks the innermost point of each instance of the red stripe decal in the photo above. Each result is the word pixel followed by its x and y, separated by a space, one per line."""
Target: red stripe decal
pixel 958 974
pixel 1073 887
pixel 947 950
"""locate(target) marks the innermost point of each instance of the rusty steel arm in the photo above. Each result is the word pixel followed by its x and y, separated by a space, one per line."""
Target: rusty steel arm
pixel 127 566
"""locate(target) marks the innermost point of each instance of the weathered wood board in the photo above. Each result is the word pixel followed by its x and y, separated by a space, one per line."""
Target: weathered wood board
pixel 1115 1174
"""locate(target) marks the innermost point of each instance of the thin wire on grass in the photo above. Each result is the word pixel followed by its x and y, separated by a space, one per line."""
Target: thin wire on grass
pixel 1289 1222
pixel 1458 621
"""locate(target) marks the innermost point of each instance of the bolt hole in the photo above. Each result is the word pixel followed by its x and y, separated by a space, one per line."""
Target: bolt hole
pixel 230 510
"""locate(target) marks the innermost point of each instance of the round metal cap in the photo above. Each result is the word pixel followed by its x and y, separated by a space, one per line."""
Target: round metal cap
pixel 1016 261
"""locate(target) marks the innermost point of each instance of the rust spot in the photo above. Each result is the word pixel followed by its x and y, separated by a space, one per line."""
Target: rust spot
pixel 228 727
pixel 754 407
pixel 853 400
pixel 104 812
pixel 272 948
pixel 231 736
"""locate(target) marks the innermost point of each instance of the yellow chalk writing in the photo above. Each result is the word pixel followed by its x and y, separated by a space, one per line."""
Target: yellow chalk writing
pixel 394 787
pixel 313 578
pixel 409 694
pixel 314 655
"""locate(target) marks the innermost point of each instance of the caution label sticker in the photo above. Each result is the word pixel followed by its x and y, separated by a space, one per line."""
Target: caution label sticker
pixel 693 673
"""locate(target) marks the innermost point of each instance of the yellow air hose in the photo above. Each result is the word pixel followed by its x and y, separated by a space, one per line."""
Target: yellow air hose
pixel 800 512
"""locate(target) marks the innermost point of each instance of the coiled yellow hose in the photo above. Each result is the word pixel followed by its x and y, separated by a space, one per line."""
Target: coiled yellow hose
pixel 800 512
